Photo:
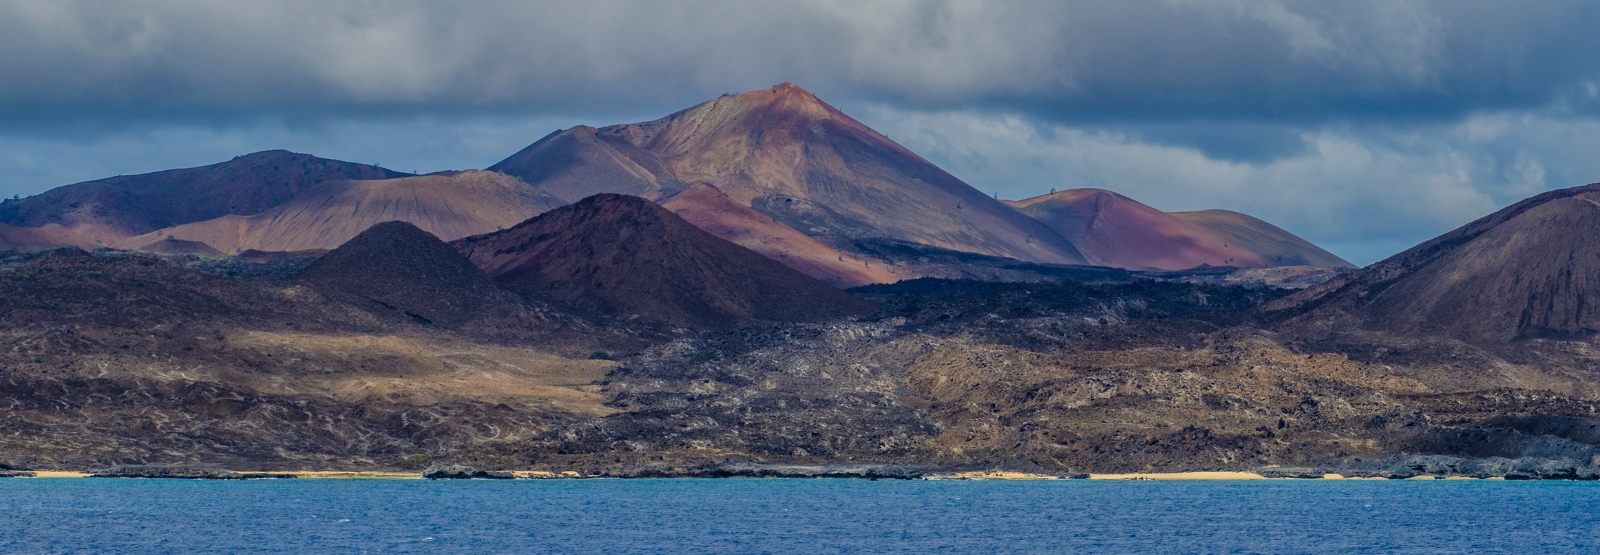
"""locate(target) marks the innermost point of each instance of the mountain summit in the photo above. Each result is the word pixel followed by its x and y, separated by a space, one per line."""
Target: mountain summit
pixel 791 156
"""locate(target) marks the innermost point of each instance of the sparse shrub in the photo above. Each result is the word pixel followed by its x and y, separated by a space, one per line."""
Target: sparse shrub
pixel 55 306
pixel 37 360
pixel 188 348
pixel 92 273
pixel 419 457
pixel 600 355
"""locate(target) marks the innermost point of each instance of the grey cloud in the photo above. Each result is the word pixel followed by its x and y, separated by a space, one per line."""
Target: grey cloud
pixel 1065 60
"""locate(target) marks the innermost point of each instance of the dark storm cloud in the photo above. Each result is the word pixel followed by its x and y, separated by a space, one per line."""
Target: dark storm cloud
pixel 1079 61
pixel 1363 123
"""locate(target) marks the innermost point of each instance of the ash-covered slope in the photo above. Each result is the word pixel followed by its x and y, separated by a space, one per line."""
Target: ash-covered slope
pixel 1114 230
pixel 1530 270
pixel 403 269
pixel 779 148
pixel 114 208
pixel 450 205
pixel 710 210
pixel 622 256
pixel 1272 243
pixel 13 238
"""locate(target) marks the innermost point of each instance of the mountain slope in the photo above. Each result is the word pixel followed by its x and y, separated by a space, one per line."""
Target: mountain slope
pixel 771 147
pixel 13 238
pixel 403 269
pixel 114 208
pixel 1528 271
pixel 1276 246
pixel 1114 230
pixel 710 210
pixel 623 256
pixel 449 205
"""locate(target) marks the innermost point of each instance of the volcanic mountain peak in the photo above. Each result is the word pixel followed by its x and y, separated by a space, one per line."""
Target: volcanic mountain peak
pixel 450 204
pixel 623 256
pixel 774 146
pixel 401 268
pixel 114 208
pixel 1527 271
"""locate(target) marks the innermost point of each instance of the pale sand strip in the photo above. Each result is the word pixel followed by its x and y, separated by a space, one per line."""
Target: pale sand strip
pixel 58 474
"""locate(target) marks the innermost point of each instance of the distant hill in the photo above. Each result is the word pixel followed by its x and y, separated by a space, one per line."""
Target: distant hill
pixel 13 238
pixel 1114 230
pixel 1530 270
pixel 118 207
pixel 710 210
pixel 779 148
pixel 621 256
pixel 398 268
pixel 450 205
pixel 1275 246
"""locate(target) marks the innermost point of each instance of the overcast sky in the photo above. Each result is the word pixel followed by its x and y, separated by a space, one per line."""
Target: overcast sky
pixel 1362 126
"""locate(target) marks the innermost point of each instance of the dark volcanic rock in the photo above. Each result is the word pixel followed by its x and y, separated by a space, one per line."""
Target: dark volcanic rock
pixel 622 256
pixel 461 472
pixel 752 470
pixel 181 472
pixel 1526 468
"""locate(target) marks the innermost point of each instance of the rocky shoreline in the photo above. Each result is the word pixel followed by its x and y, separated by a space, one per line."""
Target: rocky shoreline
pixel 1436 466
pixel 1392 468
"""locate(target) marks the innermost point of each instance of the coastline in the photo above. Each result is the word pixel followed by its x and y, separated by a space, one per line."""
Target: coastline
pixel 574 475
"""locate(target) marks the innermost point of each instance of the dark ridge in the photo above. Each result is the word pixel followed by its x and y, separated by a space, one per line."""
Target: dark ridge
pixel 400 267
pixel 620 256
pixel 1529 271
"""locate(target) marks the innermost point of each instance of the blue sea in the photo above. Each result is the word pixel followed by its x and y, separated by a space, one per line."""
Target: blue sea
pixel 89 515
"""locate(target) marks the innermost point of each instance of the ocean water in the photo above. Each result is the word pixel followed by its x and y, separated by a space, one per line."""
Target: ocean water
pixel 795 516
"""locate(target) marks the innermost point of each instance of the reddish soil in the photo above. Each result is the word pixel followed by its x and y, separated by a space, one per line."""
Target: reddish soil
pixel 1114 230
pixel 707 208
